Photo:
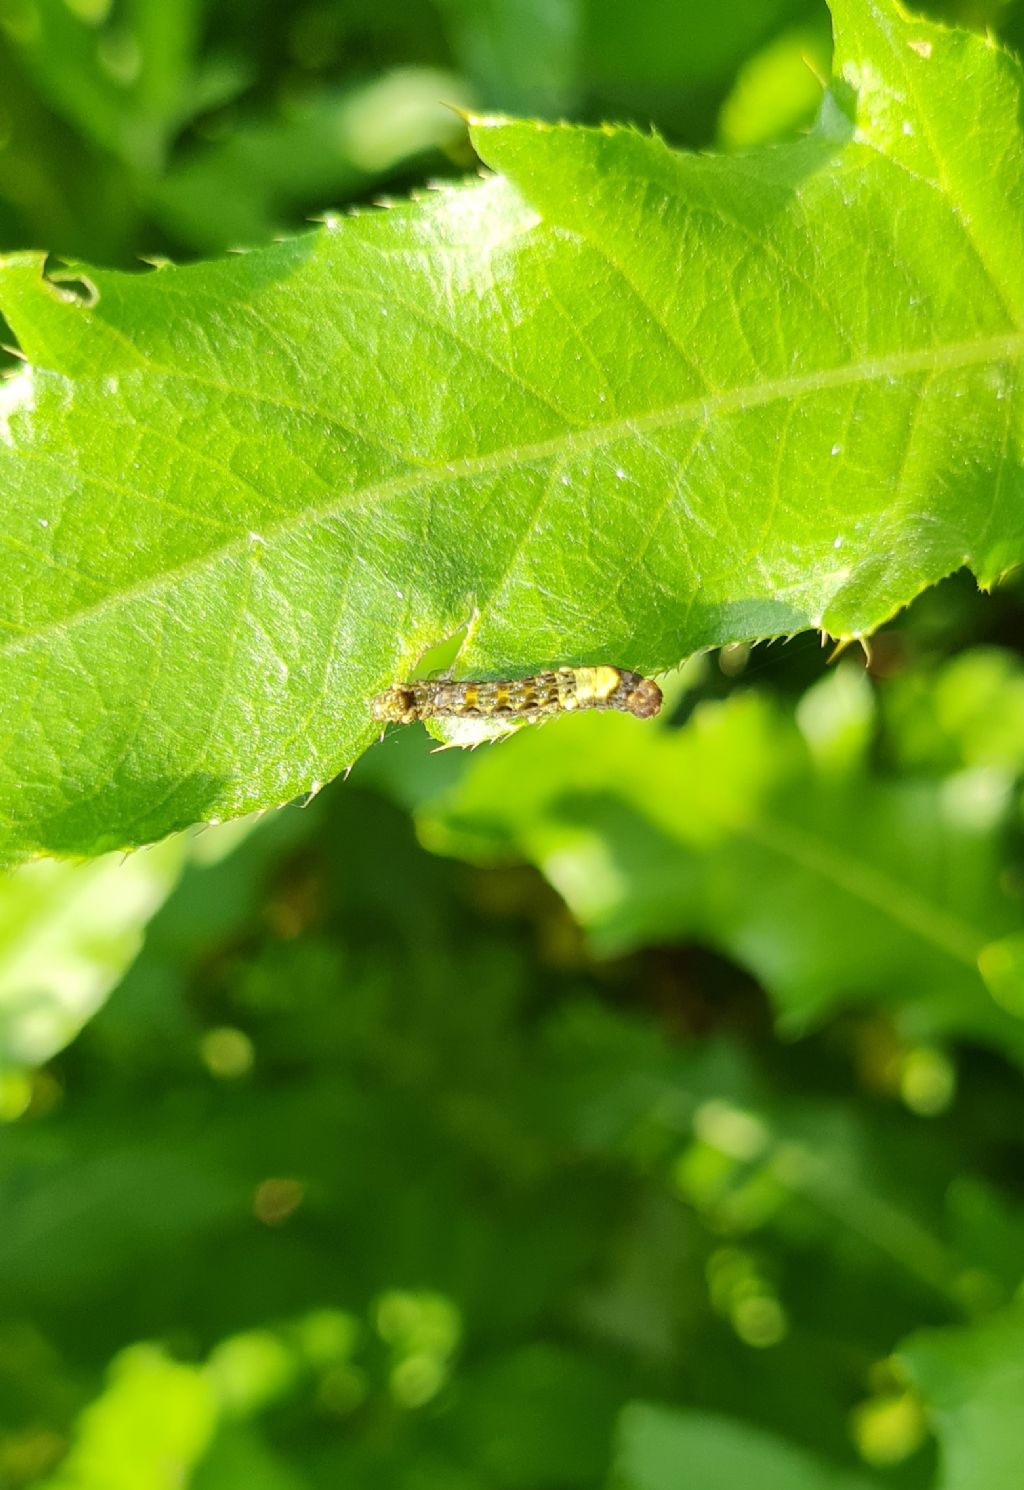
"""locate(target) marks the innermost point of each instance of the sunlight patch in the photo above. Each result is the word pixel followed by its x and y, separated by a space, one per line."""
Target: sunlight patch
pixel 17 394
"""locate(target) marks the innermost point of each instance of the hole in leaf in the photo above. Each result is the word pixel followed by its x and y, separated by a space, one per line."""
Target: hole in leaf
pixel 440 658
pixel 74 288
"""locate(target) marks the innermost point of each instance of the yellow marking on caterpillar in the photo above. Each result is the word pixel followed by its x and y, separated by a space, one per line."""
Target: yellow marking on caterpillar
pixel 595 686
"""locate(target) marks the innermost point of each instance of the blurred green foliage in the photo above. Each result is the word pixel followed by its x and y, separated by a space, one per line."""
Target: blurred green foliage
pixel 370 1172
pixel 536 1118
pixel 134 127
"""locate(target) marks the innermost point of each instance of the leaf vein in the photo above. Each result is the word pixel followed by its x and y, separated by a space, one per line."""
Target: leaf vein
pixel 945 357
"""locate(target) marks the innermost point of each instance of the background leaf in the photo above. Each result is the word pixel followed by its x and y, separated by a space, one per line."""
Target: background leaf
pixel 660 1450
pixel 148 1429
pixel 973 1380
pixel 243 189
pixel 67 934
pixel 721 831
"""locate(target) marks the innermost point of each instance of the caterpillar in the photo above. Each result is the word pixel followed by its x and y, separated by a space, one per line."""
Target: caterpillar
pixel 526 699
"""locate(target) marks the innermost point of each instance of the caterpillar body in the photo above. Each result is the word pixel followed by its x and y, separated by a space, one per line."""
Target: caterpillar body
pixel 520 699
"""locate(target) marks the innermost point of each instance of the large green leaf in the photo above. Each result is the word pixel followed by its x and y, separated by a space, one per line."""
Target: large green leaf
pixel 615 404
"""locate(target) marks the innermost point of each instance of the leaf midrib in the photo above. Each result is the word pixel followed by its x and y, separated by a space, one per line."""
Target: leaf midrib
pixel 1007 346
pixel 855 876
